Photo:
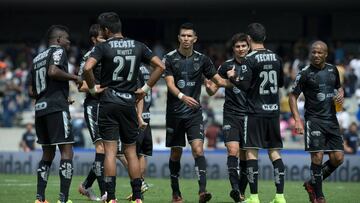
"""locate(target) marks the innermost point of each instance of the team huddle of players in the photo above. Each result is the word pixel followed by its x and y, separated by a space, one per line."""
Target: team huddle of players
pixel 117 80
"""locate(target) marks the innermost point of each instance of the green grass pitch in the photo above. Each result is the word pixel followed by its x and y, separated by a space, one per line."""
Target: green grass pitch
pixel 22 189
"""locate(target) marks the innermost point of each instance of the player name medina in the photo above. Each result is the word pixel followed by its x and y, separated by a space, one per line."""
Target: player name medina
pixel 265 57
pixel 122 43
pixel 41 56
pixel 40 64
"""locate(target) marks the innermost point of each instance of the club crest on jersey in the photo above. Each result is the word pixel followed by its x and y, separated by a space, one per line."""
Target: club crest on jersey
pixel 196 66
pixel 57 56
pixel 181 84
pixel 177 65
pixel 236 90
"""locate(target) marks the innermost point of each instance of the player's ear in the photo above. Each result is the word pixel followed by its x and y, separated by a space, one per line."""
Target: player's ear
pixel 195 38
pixel 179 38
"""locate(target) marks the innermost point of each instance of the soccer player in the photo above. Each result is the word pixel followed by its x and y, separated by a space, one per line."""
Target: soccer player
pixel 50 87
pixel 261 77
pixel 120 59
pixel 144 144
pixel 91 108
pixel 183 76
pixel 320 84
pixel 233 119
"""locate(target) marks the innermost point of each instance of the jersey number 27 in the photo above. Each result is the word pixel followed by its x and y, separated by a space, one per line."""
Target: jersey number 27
pixel 121 64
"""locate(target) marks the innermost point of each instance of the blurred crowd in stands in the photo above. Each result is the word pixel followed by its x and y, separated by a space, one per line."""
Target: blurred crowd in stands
pixel 16 61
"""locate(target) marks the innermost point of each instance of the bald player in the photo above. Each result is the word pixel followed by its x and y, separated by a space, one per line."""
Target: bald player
pixel 320 84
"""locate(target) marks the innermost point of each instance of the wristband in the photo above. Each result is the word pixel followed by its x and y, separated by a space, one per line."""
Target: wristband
pixel 93 90
pixel 180 95
pixel 146 88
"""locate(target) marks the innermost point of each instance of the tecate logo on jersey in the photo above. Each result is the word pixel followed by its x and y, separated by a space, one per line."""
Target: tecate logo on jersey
pixel 270 107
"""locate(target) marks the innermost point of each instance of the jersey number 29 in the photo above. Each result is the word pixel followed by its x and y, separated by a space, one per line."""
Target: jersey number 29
pixel 268 77
pixel 121 64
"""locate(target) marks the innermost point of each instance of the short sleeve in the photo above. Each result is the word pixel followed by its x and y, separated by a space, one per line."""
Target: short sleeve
pixel 209 69
pixel 298 85
pixel 168 67
pixel 97 51
pixel 147 54
pixel 58 58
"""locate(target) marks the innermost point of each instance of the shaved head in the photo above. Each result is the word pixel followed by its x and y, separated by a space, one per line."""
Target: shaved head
pixel 321 44
pixel 319 52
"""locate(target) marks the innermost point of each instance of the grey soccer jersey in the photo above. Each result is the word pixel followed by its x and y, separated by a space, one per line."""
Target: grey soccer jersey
pixel 318 86
pixel 187 73
pixel 51 95
pixel 120 60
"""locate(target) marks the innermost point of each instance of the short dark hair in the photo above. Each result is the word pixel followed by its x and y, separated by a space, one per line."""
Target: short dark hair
pixel 187 26
pixel 94 30
pixel 111 21
pixel 257 32
pixel 238 37
pixel 53 30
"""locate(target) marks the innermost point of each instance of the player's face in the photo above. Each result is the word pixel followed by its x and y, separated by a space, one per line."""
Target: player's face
pixel 240 49
pixel 318 55
pixel 64 40
pixel 100 38
pixel 187 38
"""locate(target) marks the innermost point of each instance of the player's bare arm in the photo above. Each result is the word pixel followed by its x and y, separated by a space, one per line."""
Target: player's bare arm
pixel 295 112
pixel 56 73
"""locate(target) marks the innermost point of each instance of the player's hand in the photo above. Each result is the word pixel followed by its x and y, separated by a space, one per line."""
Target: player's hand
pixel 79 80
pixel 140 94
pixel 299 127
pixel 190 102
pixel 208 83
pixel 339 97
pixel 231 73
pixel 142 123
pixel 99 89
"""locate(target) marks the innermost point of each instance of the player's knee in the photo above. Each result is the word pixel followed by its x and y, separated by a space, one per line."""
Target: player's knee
pixel 338 160
pixel 233 151
pixel 99 147
pixel 175 154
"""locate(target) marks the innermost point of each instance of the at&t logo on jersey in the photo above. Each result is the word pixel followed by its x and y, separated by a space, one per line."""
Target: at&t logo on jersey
pixel 181 84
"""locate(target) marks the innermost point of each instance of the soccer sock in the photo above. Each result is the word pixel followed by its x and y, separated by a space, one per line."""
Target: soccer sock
pixel 316 179
pixel 98 169
pixel 90 178
pixel 174 167
pixel 200 169
pixel 243 177
pixel 252 174
pixel 65 173
pixel 136 188
pixel 232 164
pixel 110 184
pixel 279 173
pixel 42 178
pixel 327 168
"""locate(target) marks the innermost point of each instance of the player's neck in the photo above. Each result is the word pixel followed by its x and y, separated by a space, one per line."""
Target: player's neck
pixel 117 35
pixel 320 66
pixel 257 46
pixel 185 52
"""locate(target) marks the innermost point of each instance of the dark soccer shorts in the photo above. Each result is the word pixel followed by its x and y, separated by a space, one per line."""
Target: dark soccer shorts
pixel 144 143
pixel 91 111
pixel 54 128
pixel 118 121
pixel 262 133
pixel 233 128
pixel 322 135
pixel 177 127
